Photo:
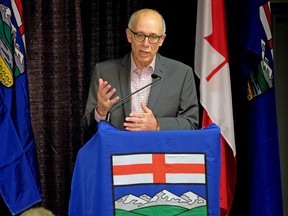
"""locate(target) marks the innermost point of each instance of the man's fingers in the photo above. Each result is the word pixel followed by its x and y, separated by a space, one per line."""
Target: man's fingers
pixel 114 100
pixel 110 93
pixel 145 108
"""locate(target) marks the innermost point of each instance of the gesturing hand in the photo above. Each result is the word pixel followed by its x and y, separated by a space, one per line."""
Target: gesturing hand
pixel 104 95
pixel 141 121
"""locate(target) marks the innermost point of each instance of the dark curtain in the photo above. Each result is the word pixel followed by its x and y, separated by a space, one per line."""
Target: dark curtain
pixel 57 81
pixel 64 40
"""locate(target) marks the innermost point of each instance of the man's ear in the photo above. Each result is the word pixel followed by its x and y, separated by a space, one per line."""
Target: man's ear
pixel 128 35
pixel 162 39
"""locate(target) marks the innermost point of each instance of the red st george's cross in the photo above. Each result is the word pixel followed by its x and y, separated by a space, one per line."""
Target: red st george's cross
pixel 158 168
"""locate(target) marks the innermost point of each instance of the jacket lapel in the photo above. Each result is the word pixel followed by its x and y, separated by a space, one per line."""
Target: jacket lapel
pixel 124 75
pixel 155 88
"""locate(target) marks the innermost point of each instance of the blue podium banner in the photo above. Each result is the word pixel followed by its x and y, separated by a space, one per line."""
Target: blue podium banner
pixel 147 173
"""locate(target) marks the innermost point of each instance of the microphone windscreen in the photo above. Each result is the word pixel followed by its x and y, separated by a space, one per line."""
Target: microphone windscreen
pixel 154 76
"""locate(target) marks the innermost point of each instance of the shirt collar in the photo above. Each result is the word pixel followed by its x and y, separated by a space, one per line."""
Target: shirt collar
pixel 150 66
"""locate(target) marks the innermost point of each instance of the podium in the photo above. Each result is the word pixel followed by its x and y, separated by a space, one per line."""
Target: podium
pixel 147 173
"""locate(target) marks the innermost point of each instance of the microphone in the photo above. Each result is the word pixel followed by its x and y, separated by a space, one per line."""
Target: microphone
pixel 154 76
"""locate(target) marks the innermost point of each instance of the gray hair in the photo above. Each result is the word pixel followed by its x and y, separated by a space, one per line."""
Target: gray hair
pixel 132 18
pixel 37 211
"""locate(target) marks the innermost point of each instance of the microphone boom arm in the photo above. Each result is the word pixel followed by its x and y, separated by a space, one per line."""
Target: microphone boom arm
pixel 154 76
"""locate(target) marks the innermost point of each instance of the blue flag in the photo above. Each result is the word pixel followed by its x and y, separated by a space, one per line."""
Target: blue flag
pixel 259 135
pixel 147 173
pixel 19 184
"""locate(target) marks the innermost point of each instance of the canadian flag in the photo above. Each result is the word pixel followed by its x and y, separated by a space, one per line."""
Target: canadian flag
pixel 212 68
pixel 159 168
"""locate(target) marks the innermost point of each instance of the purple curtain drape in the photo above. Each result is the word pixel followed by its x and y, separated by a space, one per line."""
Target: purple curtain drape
pixel 55 67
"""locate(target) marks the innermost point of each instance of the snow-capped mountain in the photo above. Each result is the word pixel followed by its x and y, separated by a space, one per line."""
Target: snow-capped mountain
pixel 145 197
pixel 129 202
pixel 187 200
pixel 193 199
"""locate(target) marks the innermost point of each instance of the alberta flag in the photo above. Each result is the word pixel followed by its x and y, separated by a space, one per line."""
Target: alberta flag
pixel 19 185
pixel 259 135
pixel 147 173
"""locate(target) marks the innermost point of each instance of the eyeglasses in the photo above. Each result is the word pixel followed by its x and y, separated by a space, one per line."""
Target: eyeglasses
pixel 140 37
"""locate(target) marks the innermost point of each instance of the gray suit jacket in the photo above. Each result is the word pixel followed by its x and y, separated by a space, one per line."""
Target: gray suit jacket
pixel 173 99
